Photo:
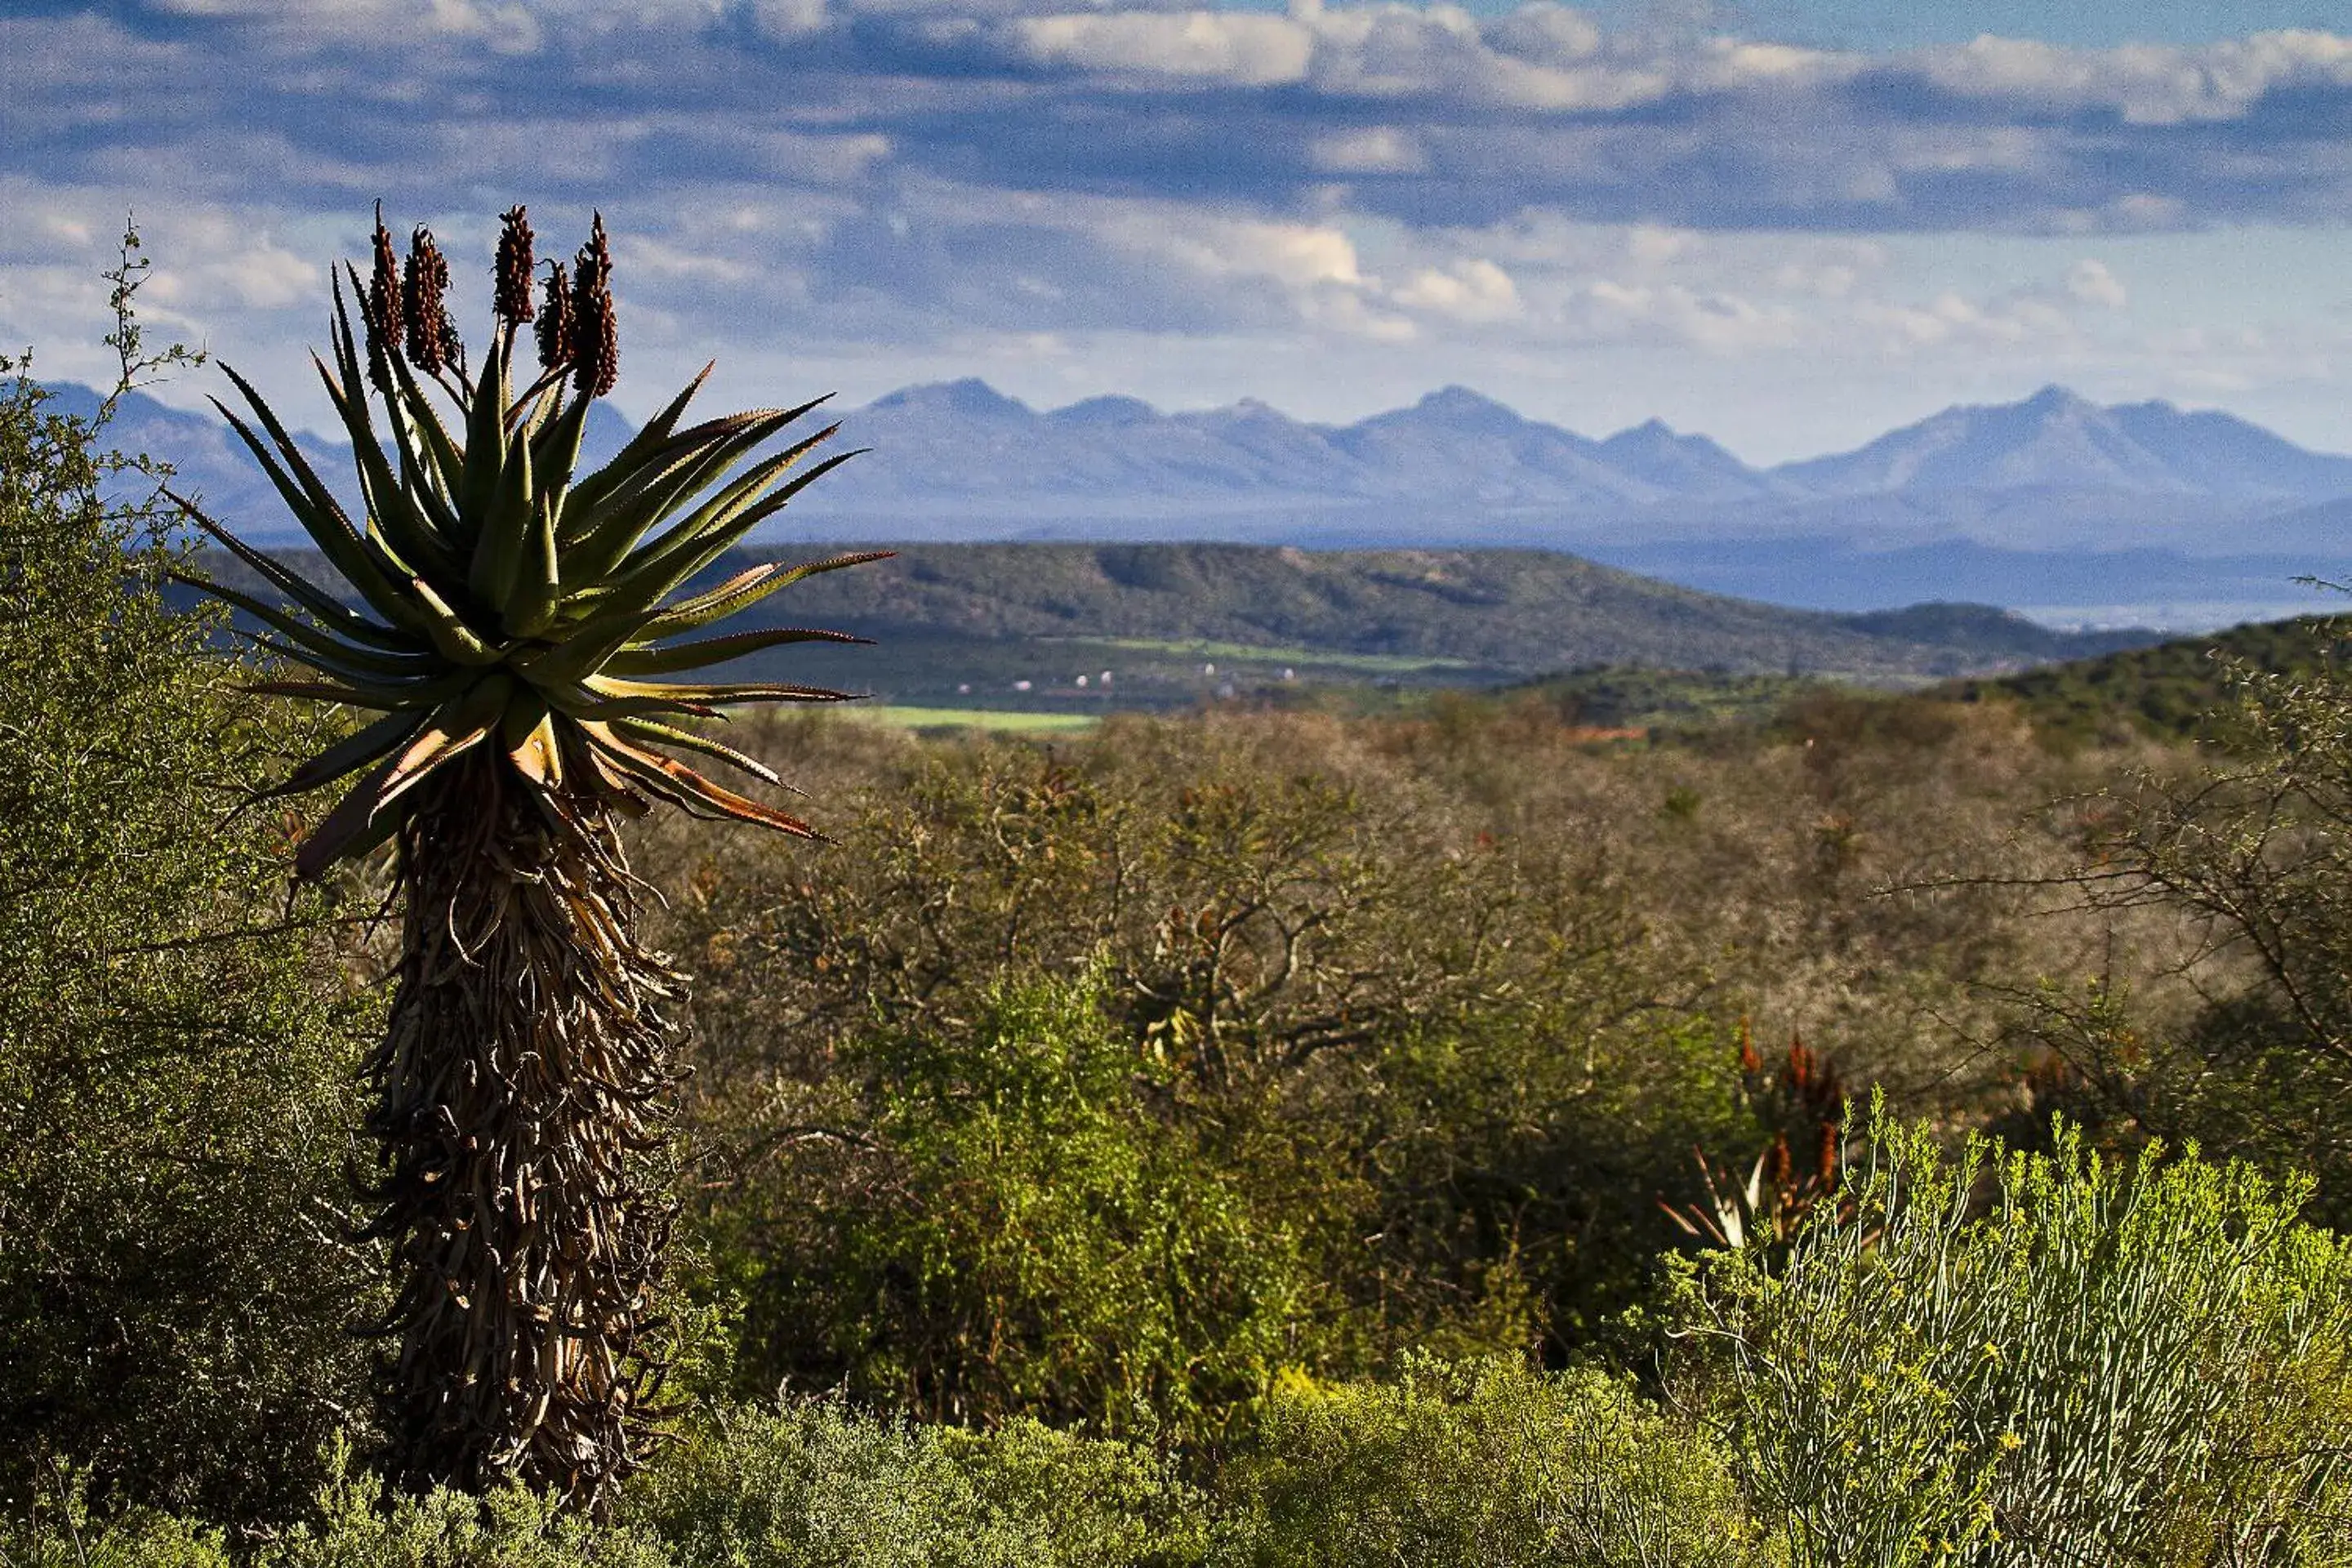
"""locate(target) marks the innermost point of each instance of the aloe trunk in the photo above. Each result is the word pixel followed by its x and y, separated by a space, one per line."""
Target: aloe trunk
pixel 521 1105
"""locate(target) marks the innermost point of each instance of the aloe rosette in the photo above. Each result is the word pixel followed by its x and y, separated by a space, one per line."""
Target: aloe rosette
pixel 507 601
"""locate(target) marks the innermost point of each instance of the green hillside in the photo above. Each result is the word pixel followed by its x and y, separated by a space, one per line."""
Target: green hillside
pixel 2171 691
pixel 967 624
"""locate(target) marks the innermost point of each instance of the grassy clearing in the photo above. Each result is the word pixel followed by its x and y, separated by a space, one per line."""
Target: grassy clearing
pixel 907 718
pixel 1371 663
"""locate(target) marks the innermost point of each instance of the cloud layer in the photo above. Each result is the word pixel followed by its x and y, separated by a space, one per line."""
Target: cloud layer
pixel 912 180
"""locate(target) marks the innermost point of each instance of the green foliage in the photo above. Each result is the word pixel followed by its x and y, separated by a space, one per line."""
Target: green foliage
pixel 1176 1083
pixel 357 1523
pixel 1354 1075
pixel 1505 612
pixel 174 1297
pixel 1044 1237
pixel 506 603
pixel 985 616
pixel 2237 1030
pixel 811 1484
pixel 2141 1364
pixel 1486 1465
pixel 2174 690
pixel 57 1529
pixel 808 1484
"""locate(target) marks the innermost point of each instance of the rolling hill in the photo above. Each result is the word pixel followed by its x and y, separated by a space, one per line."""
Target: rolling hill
pixel 2184 688
pixel 1015 625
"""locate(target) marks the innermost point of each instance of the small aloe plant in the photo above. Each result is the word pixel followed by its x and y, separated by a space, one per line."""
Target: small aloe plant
pixel 510 616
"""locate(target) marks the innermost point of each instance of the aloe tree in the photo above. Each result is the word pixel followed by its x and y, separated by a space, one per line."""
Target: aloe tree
pixel 505 615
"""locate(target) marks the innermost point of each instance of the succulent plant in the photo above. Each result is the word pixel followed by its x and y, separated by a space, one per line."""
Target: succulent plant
pixel 507 602
pixel 509 621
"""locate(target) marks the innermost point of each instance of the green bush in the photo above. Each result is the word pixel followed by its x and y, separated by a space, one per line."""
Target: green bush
pixel 1038 1234
pixel 2241 1038
pixel 358 1524
pixel 1486 1464
pixel 57 1528
pixel 174 1299
pixel 811 1484
pixel 808 1484
pixel 2150 1364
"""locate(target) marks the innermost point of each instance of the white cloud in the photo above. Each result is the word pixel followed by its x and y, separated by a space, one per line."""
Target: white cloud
pixel 2090 281
pixel 789 20
pixel 1373 150
pixel 2146 84
pixel 1241 48
pixel 902 180
pixel 1298 255
pixel 1474 290
pixel 1715 322
pixel 1546 34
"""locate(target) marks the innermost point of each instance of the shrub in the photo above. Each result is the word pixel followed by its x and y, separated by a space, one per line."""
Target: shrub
pixel 1486 1464
pixel 57 1529
pixel 1038 1233
pixel 2241 1038
pixel 1404 1081
pixel 173 1299
pixel 359 1524
pixel 807 1484
pixel 2149 1364
pixel 812 1484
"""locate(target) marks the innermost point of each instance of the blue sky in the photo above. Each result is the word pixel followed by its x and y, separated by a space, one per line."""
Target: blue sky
pixel 1789 223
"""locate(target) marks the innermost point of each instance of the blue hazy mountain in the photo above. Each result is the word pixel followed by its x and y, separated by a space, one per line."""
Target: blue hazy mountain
pixel 214 468
pixel 2055 440
pixel 963 443
pixel 962 446
pixel 964 450
pixel 2131 497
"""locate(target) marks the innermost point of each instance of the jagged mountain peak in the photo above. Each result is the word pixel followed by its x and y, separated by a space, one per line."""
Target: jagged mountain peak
pixel 2056 439
pixel 963 456
pixel 1649 430
pixel 1111 411
pixel 969 396
pixel 2055 399
pixel 1458 405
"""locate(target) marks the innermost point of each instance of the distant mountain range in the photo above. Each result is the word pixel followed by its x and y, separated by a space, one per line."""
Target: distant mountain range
pixel 2145 504
pixel 965 448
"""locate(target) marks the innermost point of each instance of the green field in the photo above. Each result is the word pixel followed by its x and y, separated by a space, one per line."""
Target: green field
pixel 908 718
pixel 1367 663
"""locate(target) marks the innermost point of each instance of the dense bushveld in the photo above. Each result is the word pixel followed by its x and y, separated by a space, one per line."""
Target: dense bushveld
pixel 1247 1137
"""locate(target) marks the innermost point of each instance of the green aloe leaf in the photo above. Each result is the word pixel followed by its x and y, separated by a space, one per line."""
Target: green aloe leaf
pixel 651 439
pixel 722 508
pixel 746 589
pixel 704 651
pixel 643 585
pixel 703 456
pixel 657 734
pixel 351 752
pixel 329 610
pixel 309 636
pixel 330 530
pixel 486 449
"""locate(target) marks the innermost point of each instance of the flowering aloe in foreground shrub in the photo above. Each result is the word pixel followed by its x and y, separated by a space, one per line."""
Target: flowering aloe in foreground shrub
pixel 2142 1364
pixel 512 617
